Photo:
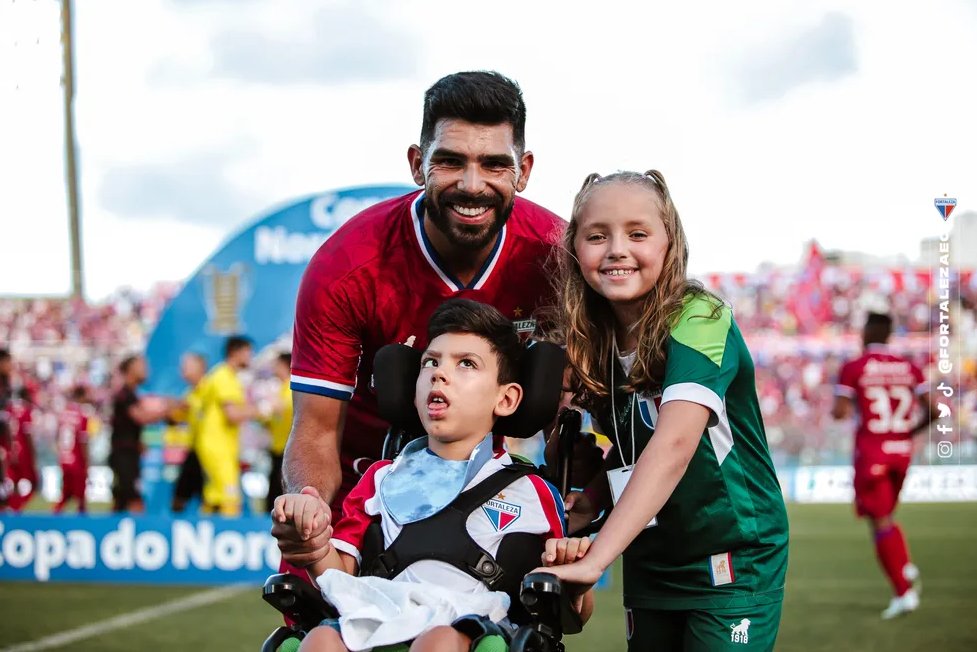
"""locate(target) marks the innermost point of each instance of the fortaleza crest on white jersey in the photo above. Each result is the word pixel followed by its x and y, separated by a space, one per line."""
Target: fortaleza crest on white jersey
pixel 501 515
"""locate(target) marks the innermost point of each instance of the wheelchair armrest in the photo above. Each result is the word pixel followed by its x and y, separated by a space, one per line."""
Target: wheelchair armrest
pixel 279 636
pixel 297 599
pixel 544 598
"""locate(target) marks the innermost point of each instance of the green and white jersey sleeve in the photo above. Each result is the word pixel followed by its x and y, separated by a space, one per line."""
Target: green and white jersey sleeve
pixel 721 537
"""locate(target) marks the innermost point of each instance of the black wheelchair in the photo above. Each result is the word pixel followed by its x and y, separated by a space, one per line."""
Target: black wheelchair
pixel 540 605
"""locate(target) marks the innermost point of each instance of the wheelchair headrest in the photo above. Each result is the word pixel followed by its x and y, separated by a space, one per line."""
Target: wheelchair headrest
pixel 395 370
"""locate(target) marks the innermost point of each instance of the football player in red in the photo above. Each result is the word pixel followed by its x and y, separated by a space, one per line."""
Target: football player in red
pixel 73 448
pixel 883 389
pixel 378 279
pixel 21 463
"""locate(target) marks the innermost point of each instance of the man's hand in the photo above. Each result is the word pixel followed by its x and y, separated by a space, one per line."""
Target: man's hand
pixel 301 524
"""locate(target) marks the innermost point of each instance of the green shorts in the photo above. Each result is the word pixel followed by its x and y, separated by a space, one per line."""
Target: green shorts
pixel 741 629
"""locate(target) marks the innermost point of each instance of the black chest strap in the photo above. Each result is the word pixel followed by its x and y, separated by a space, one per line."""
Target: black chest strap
pixel 444 536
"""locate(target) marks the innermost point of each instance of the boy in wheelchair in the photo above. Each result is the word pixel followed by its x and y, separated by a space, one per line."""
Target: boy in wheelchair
pixel 454 521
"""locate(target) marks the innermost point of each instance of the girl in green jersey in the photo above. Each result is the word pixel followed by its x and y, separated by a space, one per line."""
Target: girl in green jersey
pixel 698 512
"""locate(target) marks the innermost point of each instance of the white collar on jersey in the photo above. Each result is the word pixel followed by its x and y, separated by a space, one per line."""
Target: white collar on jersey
pixel 433 259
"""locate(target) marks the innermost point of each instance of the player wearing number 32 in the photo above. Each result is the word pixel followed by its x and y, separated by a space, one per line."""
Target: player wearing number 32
pixel 883 386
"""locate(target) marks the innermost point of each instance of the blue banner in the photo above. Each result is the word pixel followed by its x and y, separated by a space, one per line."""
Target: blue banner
pixel 248 286
pixel 142 549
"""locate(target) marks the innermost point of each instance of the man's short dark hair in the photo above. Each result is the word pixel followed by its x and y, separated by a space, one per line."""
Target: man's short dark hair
pixel 878 328
pixel 235 343
pixel 4 354
pixel 285 358
pixel 480 97
pixel 467 316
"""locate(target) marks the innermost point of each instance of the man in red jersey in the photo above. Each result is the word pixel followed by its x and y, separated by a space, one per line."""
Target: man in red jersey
pixel 73 449
pixel 883 387
pixel 379 278
pixel 21 465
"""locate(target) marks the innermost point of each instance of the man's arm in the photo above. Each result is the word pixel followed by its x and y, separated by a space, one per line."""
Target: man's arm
pixel 145 413
pixel 238 413
pixel 312 450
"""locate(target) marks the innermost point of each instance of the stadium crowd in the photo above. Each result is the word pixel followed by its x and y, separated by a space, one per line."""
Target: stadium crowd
pixel 802 324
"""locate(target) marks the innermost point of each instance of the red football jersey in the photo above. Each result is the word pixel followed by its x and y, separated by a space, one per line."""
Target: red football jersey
pixel 884 387
pixel 377 280
pixel 73 435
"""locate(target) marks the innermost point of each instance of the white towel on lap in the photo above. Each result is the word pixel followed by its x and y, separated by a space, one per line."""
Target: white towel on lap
pixel 374 611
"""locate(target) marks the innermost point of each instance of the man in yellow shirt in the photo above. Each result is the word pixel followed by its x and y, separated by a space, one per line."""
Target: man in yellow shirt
pixel 225 408
pixel 279 425
pixel 190 482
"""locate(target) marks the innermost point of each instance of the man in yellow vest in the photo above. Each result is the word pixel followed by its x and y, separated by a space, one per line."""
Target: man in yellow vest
pixel 225 408
pixel 279 425
pixel 190 483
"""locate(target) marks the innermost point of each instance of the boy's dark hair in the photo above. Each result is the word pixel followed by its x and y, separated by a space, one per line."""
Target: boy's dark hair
pixel 127 363
pixel 481 97
pixel 285 358
pixel 467 316
pixel 235 343
pixel 878 328
pixel 4 354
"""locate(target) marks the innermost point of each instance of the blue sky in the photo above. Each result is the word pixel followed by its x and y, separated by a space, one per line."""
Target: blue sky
pixel 774 122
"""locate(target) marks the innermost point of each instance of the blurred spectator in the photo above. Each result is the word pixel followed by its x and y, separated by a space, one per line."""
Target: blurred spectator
pixel 21 465
pixel 279 424
pixel 190 482
pixel 73 426
pixel 129 414
pixel 6 371
pixel 225 408
pixel 797 344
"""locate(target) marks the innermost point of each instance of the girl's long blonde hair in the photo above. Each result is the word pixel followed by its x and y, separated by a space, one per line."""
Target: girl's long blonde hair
pixel 586 321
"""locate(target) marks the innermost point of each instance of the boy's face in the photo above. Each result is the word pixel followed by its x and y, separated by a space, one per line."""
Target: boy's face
pixel 458 395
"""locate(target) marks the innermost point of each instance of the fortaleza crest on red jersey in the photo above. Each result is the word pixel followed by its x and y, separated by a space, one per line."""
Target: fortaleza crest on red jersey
pixel 945 205
pixel 501 514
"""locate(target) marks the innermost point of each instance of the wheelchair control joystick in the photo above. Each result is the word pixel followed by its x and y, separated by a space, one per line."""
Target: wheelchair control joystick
pixel 543 597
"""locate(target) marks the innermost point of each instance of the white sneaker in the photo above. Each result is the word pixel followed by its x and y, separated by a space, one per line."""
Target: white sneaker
pixel 911 573
pixel 902 604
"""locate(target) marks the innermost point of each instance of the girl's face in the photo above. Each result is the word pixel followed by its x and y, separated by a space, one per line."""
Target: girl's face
pixel 621 242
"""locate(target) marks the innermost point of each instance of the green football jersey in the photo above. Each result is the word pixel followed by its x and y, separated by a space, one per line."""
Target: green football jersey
pixel 721 538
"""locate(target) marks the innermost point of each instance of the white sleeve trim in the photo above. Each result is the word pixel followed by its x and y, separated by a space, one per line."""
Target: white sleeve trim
pixel 845 390
pixel 696 393
pixel 347 547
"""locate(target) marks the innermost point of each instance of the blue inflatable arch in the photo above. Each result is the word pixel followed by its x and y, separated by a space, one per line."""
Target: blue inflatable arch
pixel 248 286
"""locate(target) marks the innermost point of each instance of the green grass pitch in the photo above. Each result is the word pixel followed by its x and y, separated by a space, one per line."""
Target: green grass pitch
pixel 835 592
